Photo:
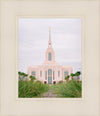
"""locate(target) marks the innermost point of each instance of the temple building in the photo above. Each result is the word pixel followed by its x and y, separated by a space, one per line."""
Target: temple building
pixel 50 71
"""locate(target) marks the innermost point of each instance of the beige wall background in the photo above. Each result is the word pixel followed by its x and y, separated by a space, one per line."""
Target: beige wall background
pixel 88 11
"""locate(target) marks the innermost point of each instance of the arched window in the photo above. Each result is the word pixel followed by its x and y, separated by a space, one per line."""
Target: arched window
pixel 49 56
pixel 49 72
pixel 33 73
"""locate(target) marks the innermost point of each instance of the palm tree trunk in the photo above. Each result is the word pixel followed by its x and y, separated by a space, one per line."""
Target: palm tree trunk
pixel 78 78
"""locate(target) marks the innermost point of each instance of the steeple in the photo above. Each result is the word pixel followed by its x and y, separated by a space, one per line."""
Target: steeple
pixel 50 55
pixel 49 44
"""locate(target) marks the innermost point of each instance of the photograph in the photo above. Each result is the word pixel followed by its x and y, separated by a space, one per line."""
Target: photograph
pixel 49 58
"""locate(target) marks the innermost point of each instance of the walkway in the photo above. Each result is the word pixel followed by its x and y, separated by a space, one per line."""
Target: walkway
pixel 50 94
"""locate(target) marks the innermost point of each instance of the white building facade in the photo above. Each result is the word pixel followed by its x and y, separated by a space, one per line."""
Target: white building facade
pixel 50 71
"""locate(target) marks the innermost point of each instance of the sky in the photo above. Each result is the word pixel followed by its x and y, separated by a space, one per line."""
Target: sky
pixel 34 36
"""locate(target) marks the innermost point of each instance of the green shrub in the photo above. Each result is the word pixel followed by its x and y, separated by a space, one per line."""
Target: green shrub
pixel 60 81
pixel 32 78
pixel 67 78
pixel 71 89
pixel 29 89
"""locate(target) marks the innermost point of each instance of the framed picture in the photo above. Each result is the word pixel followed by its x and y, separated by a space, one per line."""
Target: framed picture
pixel 50 58
pixel 37 42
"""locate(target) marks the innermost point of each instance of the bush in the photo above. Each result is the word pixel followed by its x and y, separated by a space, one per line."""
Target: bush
pixel 32 78
pixel 60 82
pixel 72 89
pixel 29 89
pixel 67 78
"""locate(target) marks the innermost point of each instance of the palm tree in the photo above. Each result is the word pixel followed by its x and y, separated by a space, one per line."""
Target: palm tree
pixel 23 75
pixel 32 78
pixel 72 75
pixel 19 73
pixel 78 73
pixel 67 78
pixel 26 76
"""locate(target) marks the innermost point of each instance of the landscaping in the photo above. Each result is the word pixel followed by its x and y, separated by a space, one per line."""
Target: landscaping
pixel 71 89
pixel 30 89
pixel 35 89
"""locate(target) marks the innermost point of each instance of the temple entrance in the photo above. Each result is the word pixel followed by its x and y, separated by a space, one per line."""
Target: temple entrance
pixel 49 80
pixel 49 76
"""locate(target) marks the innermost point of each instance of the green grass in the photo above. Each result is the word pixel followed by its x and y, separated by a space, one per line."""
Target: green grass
pixel 30 89
pixel 71 89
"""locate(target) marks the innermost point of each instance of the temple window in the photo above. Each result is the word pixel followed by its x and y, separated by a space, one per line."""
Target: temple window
pixel 53 75
pixel 58 73
pixel 66 73
pixel 49 56
pixel 49 72
pixel 45 75
pixel 40 73
pixel 33 73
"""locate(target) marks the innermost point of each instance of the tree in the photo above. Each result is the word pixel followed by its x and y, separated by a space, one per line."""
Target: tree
pixel 67 78
pixel 72 75
pixel 78 73
pixel 19 73
pixel 25 76
pixel 22 75
pixel 32 78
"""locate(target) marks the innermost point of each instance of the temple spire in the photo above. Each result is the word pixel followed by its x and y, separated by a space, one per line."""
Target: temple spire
pixel 49 37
